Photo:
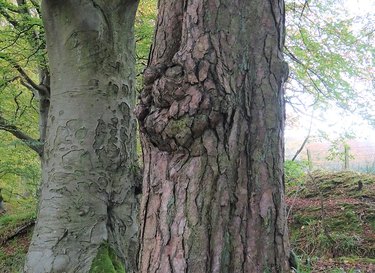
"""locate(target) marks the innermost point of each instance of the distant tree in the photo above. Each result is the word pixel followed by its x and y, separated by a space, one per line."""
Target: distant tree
pixel 87 217
pixel 212 120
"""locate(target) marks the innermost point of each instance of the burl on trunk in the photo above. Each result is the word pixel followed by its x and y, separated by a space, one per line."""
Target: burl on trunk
pixel 212 120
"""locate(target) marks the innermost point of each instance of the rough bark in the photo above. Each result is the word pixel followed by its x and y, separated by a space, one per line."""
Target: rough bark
pixel 212 122
pixel 88 196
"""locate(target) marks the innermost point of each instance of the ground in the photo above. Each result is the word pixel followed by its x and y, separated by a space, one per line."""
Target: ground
pixel 331 222
pixel 15 235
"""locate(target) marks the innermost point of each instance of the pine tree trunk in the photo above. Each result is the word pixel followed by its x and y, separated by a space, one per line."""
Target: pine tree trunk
pixel 88 204
pixel 212 122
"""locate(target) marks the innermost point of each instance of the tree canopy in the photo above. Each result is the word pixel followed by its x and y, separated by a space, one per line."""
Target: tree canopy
pixel 330 52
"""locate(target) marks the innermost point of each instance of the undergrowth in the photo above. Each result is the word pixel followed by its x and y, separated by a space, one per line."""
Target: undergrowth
pixel 332 217
pixel 331 223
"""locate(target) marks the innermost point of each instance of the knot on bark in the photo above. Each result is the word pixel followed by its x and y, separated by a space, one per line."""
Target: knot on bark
pixel 172 112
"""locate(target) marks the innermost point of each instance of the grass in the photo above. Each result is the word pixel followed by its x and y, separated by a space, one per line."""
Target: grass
pixel 345 229
pixel 343 241
pixel 13 252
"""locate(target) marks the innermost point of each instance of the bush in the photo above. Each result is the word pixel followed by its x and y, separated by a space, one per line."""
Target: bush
pixel 295 172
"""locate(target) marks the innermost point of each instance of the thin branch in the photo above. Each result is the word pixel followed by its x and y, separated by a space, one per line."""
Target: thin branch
pixel 305 5
pixel 17 103
pixel 9 18
pixel 17 231
pixel 40 46
pixel 18 36
pixel 36 5
pixel 5 83
pixel 28 86
pixel 26 12
pixel 309 70
pixel 42 89
pixel 32 143
pixel 306 139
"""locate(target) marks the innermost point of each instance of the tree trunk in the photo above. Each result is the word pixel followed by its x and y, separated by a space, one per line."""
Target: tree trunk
pixel 212 122
pixel 88 205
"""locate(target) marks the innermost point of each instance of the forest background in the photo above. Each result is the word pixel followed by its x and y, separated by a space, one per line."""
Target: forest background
pixel 330 51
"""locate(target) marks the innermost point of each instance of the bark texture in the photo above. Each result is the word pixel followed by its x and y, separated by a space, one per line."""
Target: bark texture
pixel 212 122
pixel 89 166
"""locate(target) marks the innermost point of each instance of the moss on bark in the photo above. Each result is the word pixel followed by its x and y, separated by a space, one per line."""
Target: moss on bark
pixel 107 261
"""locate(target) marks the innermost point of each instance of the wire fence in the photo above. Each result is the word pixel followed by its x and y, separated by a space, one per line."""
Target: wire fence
pixel 359 156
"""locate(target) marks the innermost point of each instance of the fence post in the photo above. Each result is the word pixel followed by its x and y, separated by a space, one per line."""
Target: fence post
pixel 309 160
pixel 346 151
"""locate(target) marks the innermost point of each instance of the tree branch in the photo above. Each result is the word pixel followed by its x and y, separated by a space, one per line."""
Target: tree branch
pixel 32 143
pixel 42 89
pixel 9 18
pixel 309 70
pixel 36 5
pixel 306 4
pixel 18 36
pixel 6 82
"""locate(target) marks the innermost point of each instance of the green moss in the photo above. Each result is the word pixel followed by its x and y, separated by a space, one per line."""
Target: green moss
pixel 176 126
pixel 301 219
pixel 106 261
pixel 369 218
pixel 355 259
pixel 337 184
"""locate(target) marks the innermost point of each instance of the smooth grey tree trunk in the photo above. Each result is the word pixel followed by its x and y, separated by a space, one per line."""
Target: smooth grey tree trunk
pixel 88 196
pixel 212 122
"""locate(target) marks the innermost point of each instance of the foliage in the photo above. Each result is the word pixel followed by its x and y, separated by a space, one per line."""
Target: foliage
pixel 19 171
pixel 339 147
pixel 295 172
pixel 331 56
pixel 22 51
pixel 144 28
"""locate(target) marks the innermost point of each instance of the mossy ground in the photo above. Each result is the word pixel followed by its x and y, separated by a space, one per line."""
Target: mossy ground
pixel 332 217
pixel 347 244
